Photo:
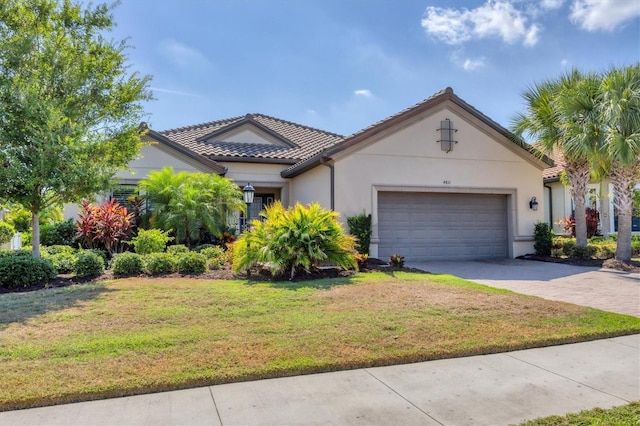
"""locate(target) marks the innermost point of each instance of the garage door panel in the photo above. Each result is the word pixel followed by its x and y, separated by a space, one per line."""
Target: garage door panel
pixel 434 226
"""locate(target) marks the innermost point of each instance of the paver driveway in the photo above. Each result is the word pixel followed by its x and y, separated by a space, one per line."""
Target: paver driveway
pixel 604 289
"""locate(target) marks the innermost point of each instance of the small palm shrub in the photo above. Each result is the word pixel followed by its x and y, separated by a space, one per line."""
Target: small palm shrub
pixel 216 257
pixel 6 232
pixel 150 241
pixel 126 263
pixel 543 239
pixel 192 263
pixel 158 263
pixel 178 249
pixel 88 264
pixel 294 239
pixel 396 261
pixel 22 270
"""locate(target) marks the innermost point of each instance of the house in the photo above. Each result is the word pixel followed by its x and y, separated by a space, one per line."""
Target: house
pixel 599 196
pixel 440 179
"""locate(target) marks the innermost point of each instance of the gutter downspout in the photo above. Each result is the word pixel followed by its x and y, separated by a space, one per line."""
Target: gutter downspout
pixel 550 204
pixel 324 162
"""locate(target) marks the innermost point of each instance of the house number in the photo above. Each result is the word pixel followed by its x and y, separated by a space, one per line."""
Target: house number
pixel 446 182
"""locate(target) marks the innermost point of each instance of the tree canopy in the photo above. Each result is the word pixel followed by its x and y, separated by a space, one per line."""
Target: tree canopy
pixel 70 107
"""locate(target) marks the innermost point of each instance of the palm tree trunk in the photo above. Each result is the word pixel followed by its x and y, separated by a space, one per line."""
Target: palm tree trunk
pixel 579 175
pixel 624 180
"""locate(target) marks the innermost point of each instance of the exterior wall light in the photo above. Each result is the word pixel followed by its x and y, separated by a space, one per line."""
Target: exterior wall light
pixel 446 135
pixel 248 192
pixel 533 204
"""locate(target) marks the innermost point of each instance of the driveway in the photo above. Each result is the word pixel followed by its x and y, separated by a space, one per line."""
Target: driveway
pixel 605 289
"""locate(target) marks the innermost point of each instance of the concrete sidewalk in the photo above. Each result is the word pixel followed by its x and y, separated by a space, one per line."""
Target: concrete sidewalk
pixel 495 389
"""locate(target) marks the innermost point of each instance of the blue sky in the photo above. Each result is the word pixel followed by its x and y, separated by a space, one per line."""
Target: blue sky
pixel 341 65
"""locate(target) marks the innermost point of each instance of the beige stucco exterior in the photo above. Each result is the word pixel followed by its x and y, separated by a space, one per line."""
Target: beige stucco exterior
pixel 599 195
pixel 408 158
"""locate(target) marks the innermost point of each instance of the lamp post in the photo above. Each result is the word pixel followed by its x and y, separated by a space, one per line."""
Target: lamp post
pixel 248 192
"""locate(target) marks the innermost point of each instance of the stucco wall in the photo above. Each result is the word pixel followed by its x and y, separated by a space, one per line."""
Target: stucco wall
pixel 261 176
pixel 409 158
pixel 313 187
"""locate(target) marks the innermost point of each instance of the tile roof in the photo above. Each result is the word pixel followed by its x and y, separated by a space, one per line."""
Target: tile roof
pixel 302 141
pixel 441 96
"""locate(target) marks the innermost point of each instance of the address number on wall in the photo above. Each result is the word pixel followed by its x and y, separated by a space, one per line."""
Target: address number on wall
pixel 446 182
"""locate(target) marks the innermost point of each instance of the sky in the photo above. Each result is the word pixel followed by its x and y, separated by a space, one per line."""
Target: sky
pixel 341 65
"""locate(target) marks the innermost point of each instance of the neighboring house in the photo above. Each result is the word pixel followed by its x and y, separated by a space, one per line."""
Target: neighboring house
pixel 599 196
pixel 440 179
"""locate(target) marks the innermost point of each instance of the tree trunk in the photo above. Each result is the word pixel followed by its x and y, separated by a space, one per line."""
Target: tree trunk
pixel 35 234
pixel 624 180
pixel 579 175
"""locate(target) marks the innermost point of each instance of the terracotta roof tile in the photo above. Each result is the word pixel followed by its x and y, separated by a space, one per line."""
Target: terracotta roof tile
pixel 306 140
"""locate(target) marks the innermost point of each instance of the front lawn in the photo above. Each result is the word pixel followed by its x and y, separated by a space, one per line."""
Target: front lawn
pixel 625 415
pixel 137 335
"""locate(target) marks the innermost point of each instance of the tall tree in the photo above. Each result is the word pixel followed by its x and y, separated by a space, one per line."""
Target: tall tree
pixel 619 104
pixel 188 202
pixel 562 116
pixel 69 106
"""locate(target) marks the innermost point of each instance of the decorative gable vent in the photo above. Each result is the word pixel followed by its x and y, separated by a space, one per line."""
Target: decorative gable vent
pixel 446 135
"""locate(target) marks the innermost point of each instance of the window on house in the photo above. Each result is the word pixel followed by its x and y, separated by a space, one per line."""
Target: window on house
pixel 124 193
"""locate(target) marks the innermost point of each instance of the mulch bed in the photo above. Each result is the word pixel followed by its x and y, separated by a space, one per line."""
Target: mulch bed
pixel 372 264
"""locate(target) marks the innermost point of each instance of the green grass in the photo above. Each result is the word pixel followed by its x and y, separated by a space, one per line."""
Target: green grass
pixel 625 415
pixel 138 335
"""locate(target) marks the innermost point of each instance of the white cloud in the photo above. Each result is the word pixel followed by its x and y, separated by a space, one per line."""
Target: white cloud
pixel 363 92
pixel 174 92
pixel 495 18
pixel 564 63
pixel 473 64
pixel 607 15
pixel 182 55
pixel 551 4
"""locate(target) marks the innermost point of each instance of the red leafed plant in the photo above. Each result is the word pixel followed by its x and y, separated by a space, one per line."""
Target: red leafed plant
pixel 593 219
pixel 106 225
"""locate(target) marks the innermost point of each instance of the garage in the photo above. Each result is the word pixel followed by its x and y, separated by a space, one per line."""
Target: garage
pixel 442 226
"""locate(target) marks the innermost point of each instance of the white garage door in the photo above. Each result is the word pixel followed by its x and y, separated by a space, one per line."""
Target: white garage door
pixel 441 226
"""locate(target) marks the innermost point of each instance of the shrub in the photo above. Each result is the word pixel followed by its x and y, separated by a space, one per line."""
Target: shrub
pixel 201 247
pixel 101 253
pixel 360 227
pixel 126 263
pixel 158 263
pixel 6 232
pixel 61 233
pixel 63 262
pixel 361 260
pixel 294 239
pixel 192 263
pixel 567 248
pixel 88 264
pixel 178 249
pixel 605 251
pixel 396 261
pixel 150 241
pixel 635 248
pixel 20 270
pixel 543 237
pixel 57 249
pixel 13 253
pixel 106 225
pixel 216 257
pixel 582 252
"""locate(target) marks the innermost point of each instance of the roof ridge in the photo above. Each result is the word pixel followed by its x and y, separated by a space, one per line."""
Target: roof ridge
pixel 435 95
pixel 201 125
pixel 253 115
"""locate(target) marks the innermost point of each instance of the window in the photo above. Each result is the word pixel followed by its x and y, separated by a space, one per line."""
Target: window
pixel 635 221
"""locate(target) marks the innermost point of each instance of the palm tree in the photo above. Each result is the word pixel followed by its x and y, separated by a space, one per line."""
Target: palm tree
pixel 619 104
pixel 188 202
pixel 561 115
